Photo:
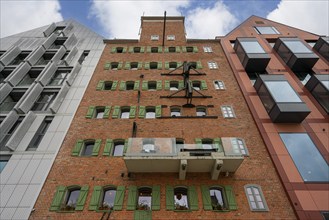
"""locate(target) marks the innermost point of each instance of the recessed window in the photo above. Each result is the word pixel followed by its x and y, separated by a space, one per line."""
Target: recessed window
pixel 172 65
pixel 88 147
pixel 154 37
pixel 137 49
pixel 304 76
pixel 217 198
pixel 201 111
pixel 227 111
pixel 118 148
pixel 59 77
pixel 207 144
pixel 252 46
pixel 282 91
pixel 114 65
pixel 153 65
pixel 107 202
pixel 45 58
pixel 3 161
pixel 212 65
pixel 196 85
pixel 71 199
pixel 232 42
pixel 181 199
pixel 30 77
pixel 150 112
pixel 134 65
pixel 154 49
pixel 173 85
pixel 189 49
pixel 58 30
pixel 253 76
pixel 19 59
pixel 171 37
pixel 8 135
pixel 44 101
pixel 152 85
pixel 172 49
pixel 108 85
pixel 219 85
pixel 301 148
pixel 175 112
pixel 238 146
pixel 125 112
pixel 99 112
pixel 58 43
pixel 148 145
pixel 266 30
pixel 39 134
pixel 207 49
pixel 193 65
pixel 130 85
pixel 10 101
pixel 255 198
pixel 5 73
pixel 144 201
pixel 119 49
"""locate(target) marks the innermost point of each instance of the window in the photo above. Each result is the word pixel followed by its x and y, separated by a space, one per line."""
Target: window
pixel 238 146
pixel 172 49
pixel 9 134
pixel 180 143
pixel 19 59
pixel 30 77
pixel 130 85
pixel 252 46
pixel 172 65
pixel 88 147
pixel 137 49
pixel 255 198
pixel 253 76
pixel 318 85
pixel 45 58
pixel 232 42
pixel 44 101
pixel 304 76
pixel 39 134
pixel 100 112
pixel 201 111
pixel 217 198
pixel 171 37
pixel 196 85
pixel 58 30
pixel 207 144
pixel 150 112
pixel 5 73
pixel 325 215
pixel 59 77
pixel 207 49
pixel 11 100
pixel 3 161
pixel 219 85
pixel 108 85
pixel 83 56
pixel 301 148
pixel 153 65
pixel 154 49
pixel 125 112
pixel 108 199
pixel 152 85
pixel 189 49
pixel 282 91
pixel 134 65
pixel 173 85
pixel 118 148
pixel 120 49
pixel 154 37
pixel 228 111
pixel 71 199
pixel 114 65
pixel 212 65
pixel 181 199
pixel 58 43
pixel 266 30
pixel 148 146
pixel 144 201
pixel 175 112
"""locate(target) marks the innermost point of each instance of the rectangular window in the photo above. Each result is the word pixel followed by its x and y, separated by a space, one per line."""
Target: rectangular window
pixel 171 37
pixel 219 85
pixel 59 77
pixel 212 65
pixel 238 146
pixel 282 91
pixel 255 198
pixel 154 37
pixel 307 158
pixel 5 73
pixel 266 30
pixel 228 111
pixel 9 134
pixel 252 46
pixel 207 49
pixel 38 136
pixel 3 161
pixel 30 77
pixel 44 101
pixel 11 100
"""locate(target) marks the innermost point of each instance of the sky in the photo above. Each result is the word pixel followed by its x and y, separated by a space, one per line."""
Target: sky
pixel 121 18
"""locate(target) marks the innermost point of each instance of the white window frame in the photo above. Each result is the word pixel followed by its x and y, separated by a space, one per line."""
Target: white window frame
pixel 227 111
pixel 207 49
pixel 239 146
pixel 219 85
pixel 154 37
pixel 170 37
pixel 212 65
pixel 255 198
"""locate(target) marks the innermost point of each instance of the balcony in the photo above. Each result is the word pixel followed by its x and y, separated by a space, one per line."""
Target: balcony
pixel 251 54
pixel 163 155
pixel 297 56
pixel 280 100
pixel 318 85
pixel 322 46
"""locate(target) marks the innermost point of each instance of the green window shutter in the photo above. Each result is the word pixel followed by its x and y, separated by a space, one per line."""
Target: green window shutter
pixel 119 196
pixel 167 65
pixel 206 198
pixel 114 85
pixel 166 50
pixel 180 84
pixel 167 85
pixel 58 197
pixel 159 84
pixel 158 110
pixel 170 198
pixel 113 49
pixel 96 147
pixel 126 146
pixel 156 198
pixel 107 66
pixel 218 144
pixel 160 49
pixel 147 65
pixel 131 49
pixel 82 198
pixel 148 49
pixel 120 66
pixel 77 148
pixel 184 49
pixel 145 85
pixel 142 49
pixel 193 198
pixel 136 85
pixel 230 198
pixel 140 65
pixel 159 65
pixel 122 85
pixel 132 112
pixel 204 85
pixel 94 201
pixel 198 65
pixel 124 49
pixel 142 215
pixel 141 113
pixel 116 111
pixel 198 143
pixel 100 85
pixel 107 111
pixel 108 147
pixel 177 49
pixel 90 112
pixel 195 49
pixel 179 64
pixel 127 66
pixel 132 198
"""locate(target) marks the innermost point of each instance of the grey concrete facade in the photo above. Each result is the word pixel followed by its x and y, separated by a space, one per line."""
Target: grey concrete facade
pixel 43 75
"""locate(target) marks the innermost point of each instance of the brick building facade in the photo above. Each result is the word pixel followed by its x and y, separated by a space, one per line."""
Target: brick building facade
pixel 137 148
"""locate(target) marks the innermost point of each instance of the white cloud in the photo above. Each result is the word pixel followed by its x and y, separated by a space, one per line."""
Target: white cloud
pixel 19 16
pixel 310 15
pixel 210 22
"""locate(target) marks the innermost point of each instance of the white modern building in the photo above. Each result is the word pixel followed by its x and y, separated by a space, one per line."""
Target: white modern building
pixel 43 75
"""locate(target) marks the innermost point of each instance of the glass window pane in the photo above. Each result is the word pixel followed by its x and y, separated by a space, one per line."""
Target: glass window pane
pixel 301 148
pixel 282 91
pixel 108 199
pixel 3 164
pixel 72 199
pixel 180 199
pixel 325 83
pixel 150 115
pixel 267 30
pixel 125 115
pixel 118 150
pixel 88 149
pixel 252 47
pixel 297 47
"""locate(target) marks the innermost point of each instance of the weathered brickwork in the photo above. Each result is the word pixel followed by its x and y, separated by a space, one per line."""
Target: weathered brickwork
pixel 257 168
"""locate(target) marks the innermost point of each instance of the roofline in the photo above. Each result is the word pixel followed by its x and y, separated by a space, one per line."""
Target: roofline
pixel 170 18
pixel 120 41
